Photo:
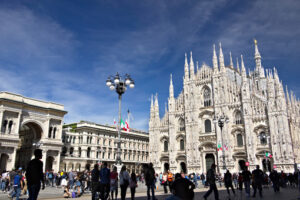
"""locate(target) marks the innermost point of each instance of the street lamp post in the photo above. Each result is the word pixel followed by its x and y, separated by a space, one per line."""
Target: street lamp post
pixel 119 85
pixel 221 120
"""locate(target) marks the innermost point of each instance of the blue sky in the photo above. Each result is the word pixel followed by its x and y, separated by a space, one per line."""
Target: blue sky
pixel 63 51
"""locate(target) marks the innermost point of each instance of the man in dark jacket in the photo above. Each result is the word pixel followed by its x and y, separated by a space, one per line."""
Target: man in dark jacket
pixel 211 179
pixel 258 177
pixel 246 179
pixel 34 175
pixel 183 188
pixel 95 181
pixel 150 181
pixel 274 176
pixel 228 181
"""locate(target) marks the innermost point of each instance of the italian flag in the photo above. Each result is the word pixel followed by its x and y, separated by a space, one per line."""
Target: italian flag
pixel 124 125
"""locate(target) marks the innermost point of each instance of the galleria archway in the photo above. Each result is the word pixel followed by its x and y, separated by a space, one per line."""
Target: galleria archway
pixel 30 134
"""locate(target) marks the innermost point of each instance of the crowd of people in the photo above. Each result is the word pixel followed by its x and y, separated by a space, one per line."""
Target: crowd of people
pixel 104 183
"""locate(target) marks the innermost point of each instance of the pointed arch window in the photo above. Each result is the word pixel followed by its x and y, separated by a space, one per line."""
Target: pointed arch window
pixel 181 125
pixel 263 138
pixel 206 97
pixel 166 146
pixel 207 125
pixel 238 118
pixel 181 144
pixel 239 138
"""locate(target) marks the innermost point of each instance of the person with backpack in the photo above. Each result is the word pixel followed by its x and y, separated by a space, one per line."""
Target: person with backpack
pixel 150 181
pixel 51 178
pixel 17 185
pixel 211 179
pixel 124 181
pixel 104 182
pixel 228 182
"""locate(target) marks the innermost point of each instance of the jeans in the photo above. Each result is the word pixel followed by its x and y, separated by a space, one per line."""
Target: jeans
pixel 212 187
pixel 247 187
pixel 123 191
pixel 3 184
pixel 17 192
pixel 71 183
pixel 104 191
pixel 94 190
pixel 259 187
pixel 151 186
pixel 132 190
pixel 34 190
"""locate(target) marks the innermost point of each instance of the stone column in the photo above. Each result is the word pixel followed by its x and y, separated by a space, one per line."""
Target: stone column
pixel 18 124
pixel 12 158
pixel 1 119
pixel 44 159
pixel 57 162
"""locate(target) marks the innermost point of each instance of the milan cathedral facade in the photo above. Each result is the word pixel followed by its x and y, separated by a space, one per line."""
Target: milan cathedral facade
pixel 263 126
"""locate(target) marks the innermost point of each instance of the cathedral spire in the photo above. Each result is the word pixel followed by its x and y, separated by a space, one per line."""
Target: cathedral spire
pixel 287 95
pixel 171 88
pixel 259 69
pixel 215 60
pixel 237 64
pixel 243 67
pixel 192 71
pixel 152 106
pixel 156 107
pixel 197 63
pixel 231 63
pixel 186 68
pixel 221 59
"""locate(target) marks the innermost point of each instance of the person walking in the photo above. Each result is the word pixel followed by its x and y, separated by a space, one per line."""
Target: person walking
pixel 258 178
pixel 104 182
pixel 95 181
pixel 228 182
pixel 246 179
pixel 150 181
pixel 133 185
pixel 124 181
pixel 211 179
pixel 274 176
pixel 71 179
pixel 34 175
pixel 114 183
pixel 17 186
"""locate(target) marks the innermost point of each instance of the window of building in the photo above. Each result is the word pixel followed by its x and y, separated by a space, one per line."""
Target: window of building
pixel 64 151
pixel 239 138
pixel 263 138
pixel 165 146
pixel 181 125
pixel 54 132
pixel 50 132
pixel 207 126
pixel 88 152
pixel 238 118
pixel 71 151
pixel 74 138
pixel 79 152
pixel 4 125
pixel 181 144
pixel 206 97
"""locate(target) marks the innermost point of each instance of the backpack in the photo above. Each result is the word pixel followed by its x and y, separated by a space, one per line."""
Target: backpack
pixel 170 177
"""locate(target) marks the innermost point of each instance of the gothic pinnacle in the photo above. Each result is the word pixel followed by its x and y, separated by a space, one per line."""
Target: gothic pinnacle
pixel 186 68
pixel 221 58
pixel 231 63
pixel 215 60
pixel 192 66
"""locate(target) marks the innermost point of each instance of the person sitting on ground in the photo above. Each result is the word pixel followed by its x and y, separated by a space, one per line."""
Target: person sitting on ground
pixel 67 193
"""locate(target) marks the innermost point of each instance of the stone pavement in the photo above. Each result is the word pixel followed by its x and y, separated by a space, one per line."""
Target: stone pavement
pixel 285 194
